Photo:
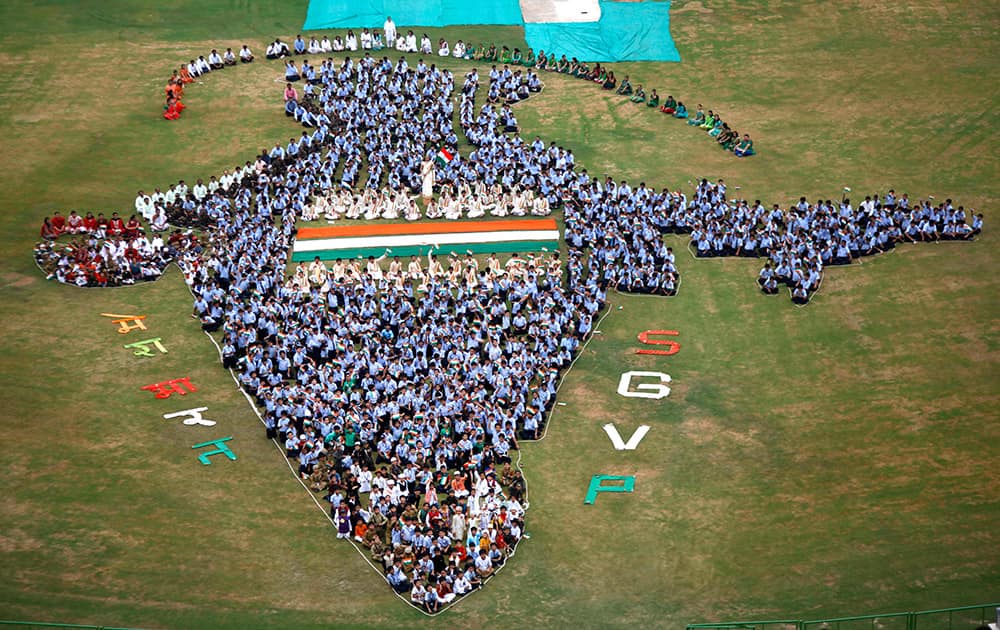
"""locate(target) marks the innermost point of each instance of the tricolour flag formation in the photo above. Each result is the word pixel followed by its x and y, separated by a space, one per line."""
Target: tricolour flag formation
pixel 418 239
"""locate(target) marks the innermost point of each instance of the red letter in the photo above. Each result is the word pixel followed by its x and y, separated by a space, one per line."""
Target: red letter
pixel 644 338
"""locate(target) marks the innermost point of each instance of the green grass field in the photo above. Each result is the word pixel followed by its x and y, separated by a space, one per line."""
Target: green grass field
pixel 823 461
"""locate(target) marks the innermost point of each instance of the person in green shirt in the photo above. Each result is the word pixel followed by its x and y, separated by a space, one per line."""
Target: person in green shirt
pixel 529 59
pixel 505 55
pixel 728 139
pixel 541 60
pixel 709 121
pixel 669 105
pixel 515 57
pixel 654 99
pixel 491 54
pixel 562 66
pixel 744 148
pixel 625 89
pixel 639 96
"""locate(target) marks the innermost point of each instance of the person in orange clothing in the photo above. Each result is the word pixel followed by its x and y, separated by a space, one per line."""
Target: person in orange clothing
pixel 186 75
pixel 173 108
pixel 175 86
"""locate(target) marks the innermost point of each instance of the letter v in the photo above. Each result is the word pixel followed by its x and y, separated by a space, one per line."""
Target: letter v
pixel 616 438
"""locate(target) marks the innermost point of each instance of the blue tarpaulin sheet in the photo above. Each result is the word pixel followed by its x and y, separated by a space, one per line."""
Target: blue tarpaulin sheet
pixel 627 31
pixel 326 14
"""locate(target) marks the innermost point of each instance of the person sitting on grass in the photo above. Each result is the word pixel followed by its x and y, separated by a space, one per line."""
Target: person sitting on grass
pixel 800 295
pixel 681 111
pixel 562 66
pixel 246 55
pixel 709 121
pixel 625 89
pixel 610 82
pixel 276 50
pixel 505 55
pixel 654 99
pixel 699 117
pixel 540 60
pixel 529 60
pixel 229 58
pixel 744 148
pixel 669 105
pixel 639 96
pixel 291 72
pixel 203 66
pixel 727 138
pixel 49 231
pixel 515 57
pixel 718 128
pixel 215 60
pixel 172 110
pixel 443 49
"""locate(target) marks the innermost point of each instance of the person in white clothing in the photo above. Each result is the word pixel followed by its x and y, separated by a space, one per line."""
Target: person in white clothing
pixel 144 205
pixel 443 49
pixel 325 45
pixel 351 41
pixel 390 29
pixel 366 39
pixel 427 179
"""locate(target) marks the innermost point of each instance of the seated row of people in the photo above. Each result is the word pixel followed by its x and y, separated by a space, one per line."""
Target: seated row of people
pixel 195 68
pixel 99 226
pixel 454 203
pixel 95 260
pixel 727 138
pixel 465 272
pixel 371 40
pixel 716 128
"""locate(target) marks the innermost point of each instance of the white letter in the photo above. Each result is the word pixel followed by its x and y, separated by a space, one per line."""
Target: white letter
pixel 655 390
pixel 616 438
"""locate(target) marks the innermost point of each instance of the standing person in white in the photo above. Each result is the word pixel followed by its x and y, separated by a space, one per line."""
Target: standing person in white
pixel 390 31
pixel 427 179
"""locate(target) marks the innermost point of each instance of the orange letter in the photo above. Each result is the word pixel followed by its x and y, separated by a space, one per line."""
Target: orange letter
pixel 644 338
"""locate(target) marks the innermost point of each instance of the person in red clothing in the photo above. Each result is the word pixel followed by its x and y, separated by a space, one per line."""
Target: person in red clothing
pixel 132 228
pixel 116 227
pixel 90 223
pixel 58 222
pixel 49 231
